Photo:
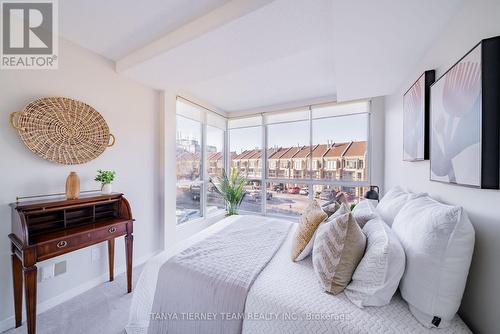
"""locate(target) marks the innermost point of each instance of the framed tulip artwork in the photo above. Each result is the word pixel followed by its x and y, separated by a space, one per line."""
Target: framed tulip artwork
pixel 465 121
pixel 416 103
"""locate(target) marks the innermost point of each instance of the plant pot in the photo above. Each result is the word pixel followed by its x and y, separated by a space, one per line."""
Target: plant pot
pixel 106 189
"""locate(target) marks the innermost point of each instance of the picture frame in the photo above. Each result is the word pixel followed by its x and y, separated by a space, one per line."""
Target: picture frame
pixel 465 121
pixel 416 104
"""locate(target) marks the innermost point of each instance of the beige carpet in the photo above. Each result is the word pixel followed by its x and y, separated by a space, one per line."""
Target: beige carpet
pixel 101 310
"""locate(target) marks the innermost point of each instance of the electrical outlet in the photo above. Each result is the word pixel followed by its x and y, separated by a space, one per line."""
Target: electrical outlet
pixel 96 254
pixel 46 272
pixel 59 268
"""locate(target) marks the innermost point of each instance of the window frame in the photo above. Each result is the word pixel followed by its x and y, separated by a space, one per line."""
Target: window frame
pixel 309 181
pixel 204 163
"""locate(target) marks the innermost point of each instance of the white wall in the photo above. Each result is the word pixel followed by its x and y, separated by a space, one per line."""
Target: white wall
pixel 133 115
pixel 377 147
pixel 481 304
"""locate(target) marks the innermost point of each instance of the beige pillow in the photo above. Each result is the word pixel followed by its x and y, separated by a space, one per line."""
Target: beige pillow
pixel 331 208
pixel 342 199
pixel 339 246
pixel 308 223
pixel 343 209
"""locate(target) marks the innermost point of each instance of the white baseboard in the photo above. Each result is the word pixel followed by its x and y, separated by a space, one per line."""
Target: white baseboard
pixel 9 322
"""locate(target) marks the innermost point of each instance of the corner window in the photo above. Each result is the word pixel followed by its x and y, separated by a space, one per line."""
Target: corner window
pixel 289 158
pixel 245 146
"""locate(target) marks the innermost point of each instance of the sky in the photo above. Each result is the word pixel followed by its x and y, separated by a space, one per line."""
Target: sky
pixel 337 129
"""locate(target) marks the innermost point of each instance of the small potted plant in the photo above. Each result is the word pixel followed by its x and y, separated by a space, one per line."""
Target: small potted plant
pixel 106 177
pixel 231 189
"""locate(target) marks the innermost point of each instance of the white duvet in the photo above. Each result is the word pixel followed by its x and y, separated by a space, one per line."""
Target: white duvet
pixel 286 298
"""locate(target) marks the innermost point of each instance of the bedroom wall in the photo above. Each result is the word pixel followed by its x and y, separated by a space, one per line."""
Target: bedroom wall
pixel 133 115
pixel 475 21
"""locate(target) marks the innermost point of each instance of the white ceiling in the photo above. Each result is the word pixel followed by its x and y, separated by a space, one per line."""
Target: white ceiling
pixel 378 42
pixel 282 52
pixel 277 53
pixel 114 28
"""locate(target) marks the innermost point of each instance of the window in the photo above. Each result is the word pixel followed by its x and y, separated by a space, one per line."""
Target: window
pixel 297 164
pixel 291 150
pixel 350 164
pixel 340 140
pixel 245 146
pixel 188 169
pixel 198 158
pixel 289 158
pixel 288 199
pixel 216 163
pixel 325 155
pixel 331 164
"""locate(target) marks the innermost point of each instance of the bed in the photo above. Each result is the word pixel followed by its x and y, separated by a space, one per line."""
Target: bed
pixel 286 298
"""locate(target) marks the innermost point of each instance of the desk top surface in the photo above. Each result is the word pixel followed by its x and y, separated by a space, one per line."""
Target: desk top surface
pixel 62 201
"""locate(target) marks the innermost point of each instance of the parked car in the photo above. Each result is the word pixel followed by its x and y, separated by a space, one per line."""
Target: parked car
pixel 278 187
pixel 327 195
pixel 257 195
pixel 304 191
pixel 294 190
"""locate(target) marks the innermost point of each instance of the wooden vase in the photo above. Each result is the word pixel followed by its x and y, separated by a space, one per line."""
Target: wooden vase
pixel 72 186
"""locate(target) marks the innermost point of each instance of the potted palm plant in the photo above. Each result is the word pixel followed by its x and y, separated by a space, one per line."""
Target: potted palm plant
pixel 231 189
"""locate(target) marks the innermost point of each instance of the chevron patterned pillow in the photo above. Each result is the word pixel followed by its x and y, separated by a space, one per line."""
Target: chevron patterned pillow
pixel 339 245
pixel 377 276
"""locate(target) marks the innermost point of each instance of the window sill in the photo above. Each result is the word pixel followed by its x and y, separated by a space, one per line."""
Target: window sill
pixel 194 226
pixel 212 216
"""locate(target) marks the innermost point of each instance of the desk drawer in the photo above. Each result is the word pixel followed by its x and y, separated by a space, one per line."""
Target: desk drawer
pixel 109 232
pixel 62 245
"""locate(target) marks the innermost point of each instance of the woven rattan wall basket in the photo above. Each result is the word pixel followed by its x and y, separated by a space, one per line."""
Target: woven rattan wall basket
pixel 62 130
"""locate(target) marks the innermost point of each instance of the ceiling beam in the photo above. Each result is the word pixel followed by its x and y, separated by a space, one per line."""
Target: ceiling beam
pixel 198 27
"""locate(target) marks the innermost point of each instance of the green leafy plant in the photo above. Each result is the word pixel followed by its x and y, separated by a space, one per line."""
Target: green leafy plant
pixel 105 176
pixel 231 189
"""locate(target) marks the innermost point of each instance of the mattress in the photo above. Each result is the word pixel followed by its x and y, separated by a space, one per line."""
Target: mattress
pixel 286 298
pixel 288 293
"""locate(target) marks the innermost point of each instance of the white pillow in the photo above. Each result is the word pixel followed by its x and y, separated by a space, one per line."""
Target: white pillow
pixel 363 212
pixel 309 247
pixel 377 276
pixel 439 241
pixel 392 202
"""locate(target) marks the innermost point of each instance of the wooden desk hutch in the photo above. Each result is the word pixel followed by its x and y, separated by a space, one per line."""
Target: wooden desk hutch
pixel 45 229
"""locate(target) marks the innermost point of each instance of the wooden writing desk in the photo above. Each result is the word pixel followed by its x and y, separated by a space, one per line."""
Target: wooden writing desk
pixel 45 229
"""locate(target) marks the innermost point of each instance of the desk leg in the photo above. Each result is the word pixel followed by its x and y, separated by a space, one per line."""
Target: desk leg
pixel 17 279
pixel 129 241
pixel 30 295
pixel 111 259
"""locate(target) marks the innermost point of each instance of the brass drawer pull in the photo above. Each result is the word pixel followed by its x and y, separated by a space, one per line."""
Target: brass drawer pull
pixel 112 230
pixel 62 244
